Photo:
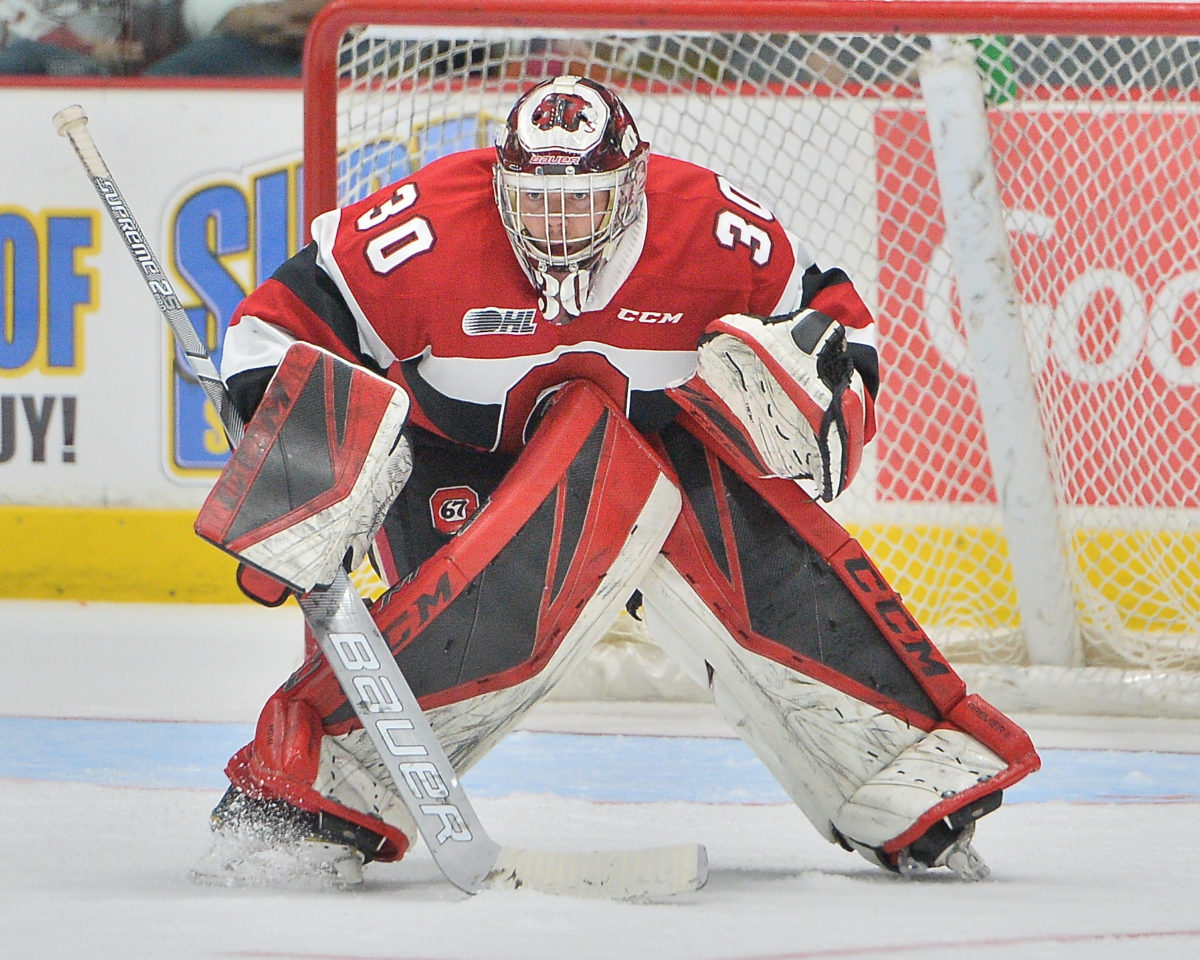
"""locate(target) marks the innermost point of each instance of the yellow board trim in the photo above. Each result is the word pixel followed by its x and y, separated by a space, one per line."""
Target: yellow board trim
pixel 955 576
pixel 950 577
pixel 117 555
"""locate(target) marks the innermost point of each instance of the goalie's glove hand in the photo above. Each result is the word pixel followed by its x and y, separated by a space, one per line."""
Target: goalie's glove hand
pixel 791 383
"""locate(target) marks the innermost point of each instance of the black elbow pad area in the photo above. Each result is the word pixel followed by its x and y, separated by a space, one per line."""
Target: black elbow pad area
pixel 246 390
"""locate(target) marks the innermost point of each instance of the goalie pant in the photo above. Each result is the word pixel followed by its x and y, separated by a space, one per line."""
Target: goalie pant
pixel 747 583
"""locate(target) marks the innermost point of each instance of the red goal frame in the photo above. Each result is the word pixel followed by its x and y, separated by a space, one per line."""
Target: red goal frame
pixel 781 16
pixel 994 483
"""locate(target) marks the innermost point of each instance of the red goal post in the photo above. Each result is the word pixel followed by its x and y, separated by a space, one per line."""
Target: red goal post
pixel 1015 188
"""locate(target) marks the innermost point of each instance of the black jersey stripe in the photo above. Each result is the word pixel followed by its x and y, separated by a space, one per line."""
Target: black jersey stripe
pixel 476 424
pixel 316 290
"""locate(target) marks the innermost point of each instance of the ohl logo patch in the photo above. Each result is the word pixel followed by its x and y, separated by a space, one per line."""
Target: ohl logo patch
pixel 451 507
pixel 483 321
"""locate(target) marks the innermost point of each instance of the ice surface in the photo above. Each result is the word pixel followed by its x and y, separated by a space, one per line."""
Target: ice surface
pixel 100 821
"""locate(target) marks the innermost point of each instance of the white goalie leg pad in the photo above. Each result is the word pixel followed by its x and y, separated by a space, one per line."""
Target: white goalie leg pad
pixel 863 778
pixel 820 744
pixel 797 395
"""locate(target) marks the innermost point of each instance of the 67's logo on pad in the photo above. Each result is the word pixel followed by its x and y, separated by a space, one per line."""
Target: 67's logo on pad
pixel 451 507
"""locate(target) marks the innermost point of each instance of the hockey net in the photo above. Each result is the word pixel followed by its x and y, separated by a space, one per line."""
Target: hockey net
pixel 1034 490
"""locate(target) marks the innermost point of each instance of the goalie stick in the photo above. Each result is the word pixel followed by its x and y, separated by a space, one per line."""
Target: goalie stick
pixel 368 673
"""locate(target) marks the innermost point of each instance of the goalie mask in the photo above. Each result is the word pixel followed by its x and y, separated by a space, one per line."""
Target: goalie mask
pixel 570 179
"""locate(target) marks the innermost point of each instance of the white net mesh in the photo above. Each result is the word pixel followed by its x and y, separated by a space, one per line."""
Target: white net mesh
pixel 1094 141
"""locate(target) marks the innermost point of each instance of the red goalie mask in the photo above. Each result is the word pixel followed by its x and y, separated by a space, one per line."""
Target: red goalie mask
pixel 570 176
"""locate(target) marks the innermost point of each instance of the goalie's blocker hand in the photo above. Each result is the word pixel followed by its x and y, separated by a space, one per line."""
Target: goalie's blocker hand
pixel 306 490
pixel 790 383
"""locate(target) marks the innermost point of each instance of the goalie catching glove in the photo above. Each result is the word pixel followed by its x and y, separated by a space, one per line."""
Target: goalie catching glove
pixel 789 387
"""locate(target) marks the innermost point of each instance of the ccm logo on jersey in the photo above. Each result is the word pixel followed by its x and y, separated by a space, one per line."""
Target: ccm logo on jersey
pixel 647 316
pixel 451 507
pixel 488 320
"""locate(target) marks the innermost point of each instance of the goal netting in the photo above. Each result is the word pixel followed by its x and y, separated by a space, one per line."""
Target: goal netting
pixel 1015 189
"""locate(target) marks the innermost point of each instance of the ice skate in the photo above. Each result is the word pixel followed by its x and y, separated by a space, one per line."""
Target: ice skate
pixel 958 856
pixel 271 843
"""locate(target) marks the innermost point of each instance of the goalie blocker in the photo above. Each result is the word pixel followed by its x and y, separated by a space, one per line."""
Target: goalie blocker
pixel 308 486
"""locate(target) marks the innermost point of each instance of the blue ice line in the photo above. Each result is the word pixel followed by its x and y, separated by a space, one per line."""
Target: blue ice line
pixel 595 767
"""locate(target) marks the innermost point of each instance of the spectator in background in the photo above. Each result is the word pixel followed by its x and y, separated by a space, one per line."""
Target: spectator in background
pixel 85 37
pixel 228 38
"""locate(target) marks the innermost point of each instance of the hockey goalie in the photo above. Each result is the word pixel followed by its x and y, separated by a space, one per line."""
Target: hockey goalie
pixel 537 384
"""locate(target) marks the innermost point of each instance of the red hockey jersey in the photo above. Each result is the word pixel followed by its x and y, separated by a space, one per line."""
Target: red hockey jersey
pixel 419 282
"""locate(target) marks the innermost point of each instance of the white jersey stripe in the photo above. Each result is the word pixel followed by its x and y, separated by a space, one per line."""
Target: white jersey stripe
pixel 793 293
pixel 251 344
pixel 489 380
pixel 324 232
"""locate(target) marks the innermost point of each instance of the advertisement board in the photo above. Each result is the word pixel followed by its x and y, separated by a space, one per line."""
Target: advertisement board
pixel 106 446
pixel 92 410
pixel 96 417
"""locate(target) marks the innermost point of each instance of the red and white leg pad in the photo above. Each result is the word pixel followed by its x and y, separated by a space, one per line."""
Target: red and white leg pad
pixel 865 778
pixel 816 663
pixel 820 743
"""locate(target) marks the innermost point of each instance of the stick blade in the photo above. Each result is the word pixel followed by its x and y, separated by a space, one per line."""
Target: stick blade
pixel 603 874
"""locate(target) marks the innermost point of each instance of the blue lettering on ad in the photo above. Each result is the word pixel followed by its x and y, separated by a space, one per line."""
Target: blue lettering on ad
pixel 44 291
pixel 20 280
pixel 68 290
pixel 217 232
